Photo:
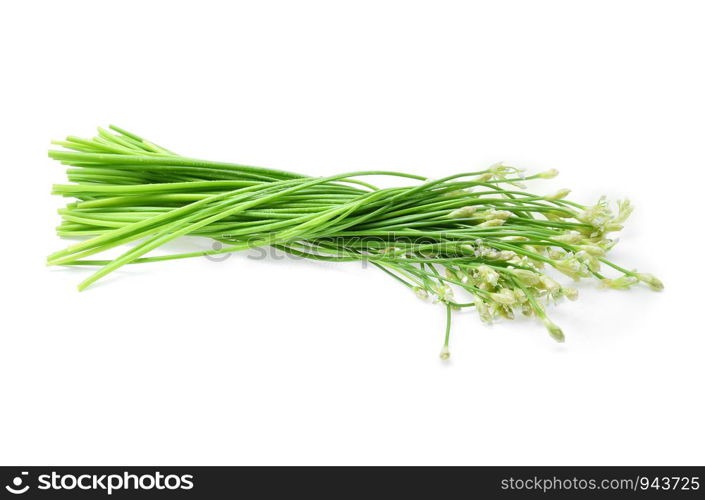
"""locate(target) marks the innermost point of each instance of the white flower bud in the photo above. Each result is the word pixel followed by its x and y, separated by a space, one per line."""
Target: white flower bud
pixel 558 195
pixel 621 283
pixel 463 212
pixel 608 244
pixel 650 280
pixel 593 250
pixel 492 223
pixel 571 237
pixel 445 353
pixel 554 330
pixel 457 192
pixel 548 174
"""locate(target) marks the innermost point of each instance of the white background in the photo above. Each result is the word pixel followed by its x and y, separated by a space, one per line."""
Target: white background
pixel 279 362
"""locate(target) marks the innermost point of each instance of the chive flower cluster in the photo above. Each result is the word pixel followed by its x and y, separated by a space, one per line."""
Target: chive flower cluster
pixel 474 239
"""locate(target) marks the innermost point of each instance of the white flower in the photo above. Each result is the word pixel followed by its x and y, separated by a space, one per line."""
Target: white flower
pixel 589 260
pixel 572 266
pixel 555 216
pixel 495 214
pixel 551 285
pixel 483 310
pixel 502 310
pixel 484 251
pixel 593 250
pixel 526 309
pixel 597 215
pixel 450 274
pixel 607 243
pixel 531 248
pixel 506 255
pixel 556 254
pixel 517 261
pixel 504 296
pixel 601 217
pixel 625 209
pixel 570 237
pixel 501 172
pixel 487 274
pixel 526 277
pixel 442 293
